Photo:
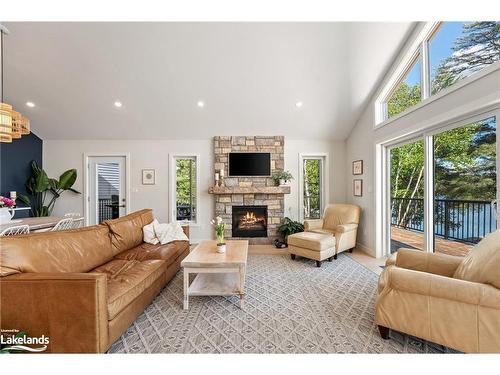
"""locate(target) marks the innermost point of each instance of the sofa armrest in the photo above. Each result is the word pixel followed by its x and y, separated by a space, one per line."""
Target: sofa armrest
pixel 456 290
pixel 313 224
pixel 436 263
pixel 345 228
pixel 185 229
pixel 69 308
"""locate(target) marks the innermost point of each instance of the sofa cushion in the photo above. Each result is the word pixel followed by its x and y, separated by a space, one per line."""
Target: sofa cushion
pixel 126 231
pixel 127 280
pixel 482 264
pixel 322 231
pixel 168 252
pixel 311 241
pixel 149 234
pixel 77 250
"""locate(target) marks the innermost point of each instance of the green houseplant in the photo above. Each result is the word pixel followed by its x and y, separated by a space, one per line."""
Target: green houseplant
pixel 289 227
pixel 282 177
pixel 44 191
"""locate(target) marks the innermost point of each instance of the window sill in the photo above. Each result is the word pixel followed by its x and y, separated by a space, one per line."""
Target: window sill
pixel 460 84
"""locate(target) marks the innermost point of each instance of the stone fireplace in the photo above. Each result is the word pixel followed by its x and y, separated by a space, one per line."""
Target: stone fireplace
pixel 250 192
pixel 249 221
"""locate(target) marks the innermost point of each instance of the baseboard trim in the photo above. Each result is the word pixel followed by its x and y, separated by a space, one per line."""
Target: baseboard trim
pixel 365 249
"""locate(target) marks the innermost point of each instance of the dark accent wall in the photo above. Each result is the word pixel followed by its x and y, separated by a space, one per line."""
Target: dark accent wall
pixel 15 161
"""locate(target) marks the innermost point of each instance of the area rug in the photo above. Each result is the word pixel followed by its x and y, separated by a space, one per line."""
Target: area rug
pixel 291 307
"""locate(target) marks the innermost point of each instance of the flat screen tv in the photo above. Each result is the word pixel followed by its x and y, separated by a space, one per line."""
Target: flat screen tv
pixel 249 164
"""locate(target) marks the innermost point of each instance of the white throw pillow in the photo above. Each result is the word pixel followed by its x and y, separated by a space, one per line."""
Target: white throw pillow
pixel 169 232
pixel 149 235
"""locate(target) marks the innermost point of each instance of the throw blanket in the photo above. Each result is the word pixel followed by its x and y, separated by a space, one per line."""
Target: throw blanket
pixel 163 233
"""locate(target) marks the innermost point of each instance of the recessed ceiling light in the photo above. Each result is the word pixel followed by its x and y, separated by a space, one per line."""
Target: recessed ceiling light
pixel 299 104
pixel 200 104
pixel 30 104
pixel 118 104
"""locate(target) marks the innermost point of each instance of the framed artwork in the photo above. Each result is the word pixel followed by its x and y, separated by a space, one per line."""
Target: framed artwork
pixel 148 176
pixel 358 188
pixel 357 167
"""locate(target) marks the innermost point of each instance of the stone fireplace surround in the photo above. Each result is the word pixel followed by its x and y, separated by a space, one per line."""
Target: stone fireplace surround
pixel 250 191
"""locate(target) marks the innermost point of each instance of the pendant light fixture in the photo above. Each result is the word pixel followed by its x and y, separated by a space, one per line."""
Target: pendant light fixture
pixel 13 124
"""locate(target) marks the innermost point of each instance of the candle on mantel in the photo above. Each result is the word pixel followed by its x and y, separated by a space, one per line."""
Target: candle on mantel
pixel 216 179
pixel 222 172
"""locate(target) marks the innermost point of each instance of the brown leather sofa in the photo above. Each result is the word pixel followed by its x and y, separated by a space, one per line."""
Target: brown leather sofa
pixel 83 288
pixel 452 301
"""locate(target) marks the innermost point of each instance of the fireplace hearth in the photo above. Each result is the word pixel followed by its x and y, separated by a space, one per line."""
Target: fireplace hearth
pixel 249 221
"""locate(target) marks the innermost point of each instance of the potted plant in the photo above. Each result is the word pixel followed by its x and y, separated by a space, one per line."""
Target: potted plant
pixel 219 232
pixel 39 184
pixel 289 227
pixel 282 177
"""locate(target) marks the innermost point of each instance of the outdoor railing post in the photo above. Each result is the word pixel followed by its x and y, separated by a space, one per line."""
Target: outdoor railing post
pixel 446 219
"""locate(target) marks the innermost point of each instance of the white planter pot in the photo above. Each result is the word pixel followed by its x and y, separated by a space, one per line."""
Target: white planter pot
pixel 6 214
pixel 282 182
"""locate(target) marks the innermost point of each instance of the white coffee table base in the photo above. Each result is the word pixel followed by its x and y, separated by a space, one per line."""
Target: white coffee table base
pixel 214 282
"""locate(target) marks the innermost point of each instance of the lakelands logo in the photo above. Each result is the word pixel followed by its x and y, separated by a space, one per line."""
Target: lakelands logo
pixel 14 341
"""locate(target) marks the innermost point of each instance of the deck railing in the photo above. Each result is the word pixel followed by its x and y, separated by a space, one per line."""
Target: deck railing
pixel 460 220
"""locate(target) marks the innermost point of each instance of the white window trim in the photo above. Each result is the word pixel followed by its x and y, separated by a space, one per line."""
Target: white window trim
pixel 418 45
pixel 86 181
pixel 325 178
pixel 402 66
pixel 172 168
pixel 382 199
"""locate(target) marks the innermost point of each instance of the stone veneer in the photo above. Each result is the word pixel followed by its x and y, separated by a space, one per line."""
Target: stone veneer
pixel 275 202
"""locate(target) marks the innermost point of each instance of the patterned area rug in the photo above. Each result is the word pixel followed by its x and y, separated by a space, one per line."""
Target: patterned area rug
pixel 291 307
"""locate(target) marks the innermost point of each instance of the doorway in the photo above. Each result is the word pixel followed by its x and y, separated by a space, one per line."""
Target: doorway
pixel 106 185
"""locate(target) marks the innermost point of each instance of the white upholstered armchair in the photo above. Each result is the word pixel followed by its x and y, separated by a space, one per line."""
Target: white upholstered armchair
pixel 339 220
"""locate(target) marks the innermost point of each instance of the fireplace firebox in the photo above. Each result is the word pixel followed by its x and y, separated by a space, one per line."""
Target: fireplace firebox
pixel 249 221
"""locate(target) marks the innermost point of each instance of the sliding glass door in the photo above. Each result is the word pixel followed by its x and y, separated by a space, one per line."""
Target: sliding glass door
pixel 440 188
pixel 407 196
pixel 465 184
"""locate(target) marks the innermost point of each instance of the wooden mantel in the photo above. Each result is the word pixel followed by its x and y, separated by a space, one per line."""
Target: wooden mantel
pixel 249 190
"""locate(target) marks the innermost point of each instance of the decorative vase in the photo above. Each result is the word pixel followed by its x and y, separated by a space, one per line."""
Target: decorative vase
pixel 6 214
pixel 221 246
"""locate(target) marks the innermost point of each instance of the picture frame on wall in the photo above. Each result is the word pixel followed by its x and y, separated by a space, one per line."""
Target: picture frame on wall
pixel 357 167
pixel 357 188
pixel 148 176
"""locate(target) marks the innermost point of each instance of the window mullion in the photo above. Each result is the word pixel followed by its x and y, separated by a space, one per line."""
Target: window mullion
pixel 425 74
pixel 429 193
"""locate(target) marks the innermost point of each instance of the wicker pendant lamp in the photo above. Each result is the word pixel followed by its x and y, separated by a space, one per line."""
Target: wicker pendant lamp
pixel 13 124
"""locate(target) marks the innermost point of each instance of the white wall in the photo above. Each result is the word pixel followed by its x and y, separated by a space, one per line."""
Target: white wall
pixel 480 94
pixel 60 155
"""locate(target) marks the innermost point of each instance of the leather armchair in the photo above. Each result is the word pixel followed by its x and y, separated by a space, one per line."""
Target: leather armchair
pixel 452 301
pixel 339 220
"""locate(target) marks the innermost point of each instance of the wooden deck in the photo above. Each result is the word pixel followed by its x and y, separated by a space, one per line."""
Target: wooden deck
pixel 415 240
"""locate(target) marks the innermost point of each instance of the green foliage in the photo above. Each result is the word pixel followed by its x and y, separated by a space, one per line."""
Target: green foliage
pixel 186 182
pixel 39 184
pixel 312 185
pixel 289 227
pixel 465 162
pixel 283 175
pixel 405 96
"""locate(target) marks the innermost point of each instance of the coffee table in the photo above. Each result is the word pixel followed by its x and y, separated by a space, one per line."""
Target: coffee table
pixel 217 274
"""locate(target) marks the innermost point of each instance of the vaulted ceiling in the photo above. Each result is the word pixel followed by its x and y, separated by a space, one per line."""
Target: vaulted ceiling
pixel 249 76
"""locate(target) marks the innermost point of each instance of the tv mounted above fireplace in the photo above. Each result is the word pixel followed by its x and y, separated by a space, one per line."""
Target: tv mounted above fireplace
pixel 249 164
